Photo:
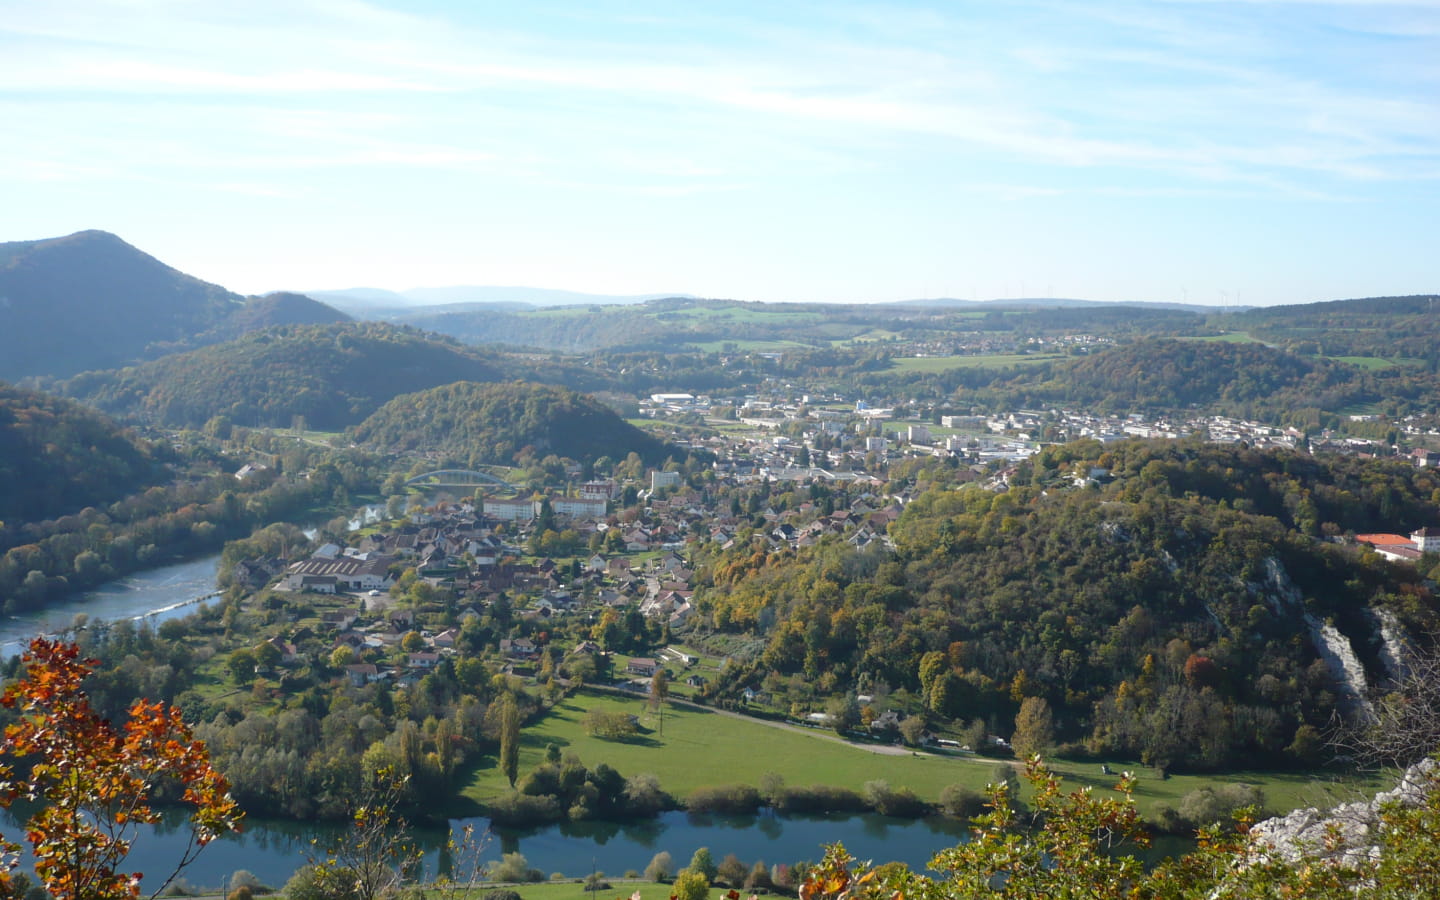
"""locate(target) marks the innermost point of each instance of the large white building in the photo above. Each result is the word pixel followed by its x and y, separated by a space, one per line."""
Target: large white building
pixel 578 507
pixel 510 510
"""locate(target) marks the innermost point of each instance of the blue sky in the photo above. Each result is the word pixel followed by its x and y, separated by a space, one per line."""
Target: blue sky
pixel 1264 151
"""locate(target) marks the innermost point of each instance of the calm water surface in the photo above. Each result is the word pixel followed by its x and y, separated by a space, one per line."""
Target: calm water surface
pixel 273 850
pixel 156 595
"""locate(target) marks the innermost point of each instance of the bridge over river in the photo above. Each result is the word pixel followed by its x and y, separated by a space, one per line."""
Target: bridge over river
pixel 460 479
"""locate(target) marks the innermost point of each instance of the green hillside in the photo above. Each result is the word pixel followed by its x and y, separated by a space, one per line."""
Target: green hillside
pixel 58 457
pixel 488 423
pixel 333 375
pixel 91 301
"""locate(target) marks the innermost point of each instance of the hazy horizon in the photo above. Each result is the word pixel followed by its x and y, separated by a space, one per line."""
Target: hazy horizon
pixel 1253 152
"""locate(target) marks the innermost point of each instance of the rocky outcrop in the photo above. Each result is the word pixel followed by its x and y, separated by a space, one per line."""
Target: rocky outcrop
pixel 1349 833
pixel 1333 647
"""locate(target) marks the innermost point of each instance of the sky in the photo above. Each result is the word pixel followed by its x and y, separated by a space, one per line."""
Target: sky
pixel 1203 151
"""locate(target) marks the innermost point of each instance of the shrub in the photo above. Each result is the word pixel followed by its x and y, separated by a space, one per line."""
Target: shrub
pixel 661 865
pixel 732 871
pixel 596 882
pixel 888 801
pixel 523 809
pixel 516 868
pixel 691 886
pixel 1209 806
pixel 961 802
pixel 819 798
pixel 500 894
pixel 724 798
pixel 644 797
pixel 759 878
pixel 246 878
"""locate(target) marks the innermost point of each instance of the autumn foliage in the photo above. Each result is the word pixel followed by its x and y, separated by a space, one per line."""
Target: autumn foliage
pixel 95 783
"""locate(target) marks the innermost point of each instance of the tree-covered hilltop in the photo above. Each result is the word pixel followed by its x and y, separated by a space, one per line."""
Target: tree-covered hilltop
pixel 267 311
pixel 1162 616
pixel 480 424
pixel 332 375
pixel 1386 327
pixel 90 301
pixel 686 322
pixel 1165 375
pixel 57 457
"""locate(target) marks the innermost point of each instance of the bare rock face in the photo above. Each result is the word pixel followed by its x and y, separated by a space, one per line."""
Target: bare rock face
pixel 1346 834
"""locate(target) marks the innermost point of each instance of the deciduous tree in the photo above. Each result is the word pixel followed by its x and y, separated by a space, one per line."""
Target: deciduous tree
pixel 95 782
pixel 509 737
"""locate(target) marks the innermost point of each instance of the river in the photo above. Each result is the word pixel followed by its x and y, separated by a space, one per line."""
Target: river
pixel 272 850
pixel 155 595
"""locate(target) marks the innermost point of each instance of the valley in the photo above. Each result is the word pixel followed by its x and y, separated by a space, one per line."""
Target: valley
pixel 959 536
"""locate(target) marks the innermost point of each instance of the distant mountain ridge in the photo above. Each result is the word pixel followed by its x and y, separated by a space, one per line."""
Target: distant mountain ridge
pixel 91 301
pixel 362 299
pixel 1064 302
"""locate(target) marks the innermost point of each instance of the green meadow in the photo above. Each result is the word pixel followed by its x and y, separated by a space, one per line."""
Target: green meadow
pixel 575 890
pixel 701 747
pixel 1374 363
pixel 932 364
pixel 697 744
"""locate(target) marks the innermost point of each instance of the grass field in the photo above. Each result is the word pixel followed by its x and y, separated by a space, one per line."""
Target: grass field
pixel 1374 363
pixel 869 337
pixel 932 364
pixel 705 748
pixel 738 314
pixel 575 890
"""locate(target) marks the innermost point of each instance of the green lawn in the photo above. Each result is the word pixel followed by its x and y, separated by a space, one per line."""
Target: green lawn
pixel 932 364
pixel 1284 791
pixel 869 337
pixel 575 890
pixel 1373 363
pixel 752 315
pixel 703 748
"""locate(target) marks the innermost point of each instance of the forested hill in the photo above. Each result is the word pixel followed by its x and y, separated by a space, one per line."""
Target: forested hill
pixel 1164 616
pixel 1179 374
pixel 333 375
pixel 488 423
pixel 90 301
pixel 1159 375
pixel 1387 327
pixel 58 457
pixel 270 310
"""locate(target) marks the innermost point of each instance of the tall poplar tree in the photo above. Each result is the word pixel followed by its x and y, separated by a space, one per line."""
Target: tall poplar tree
pixel 509 737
